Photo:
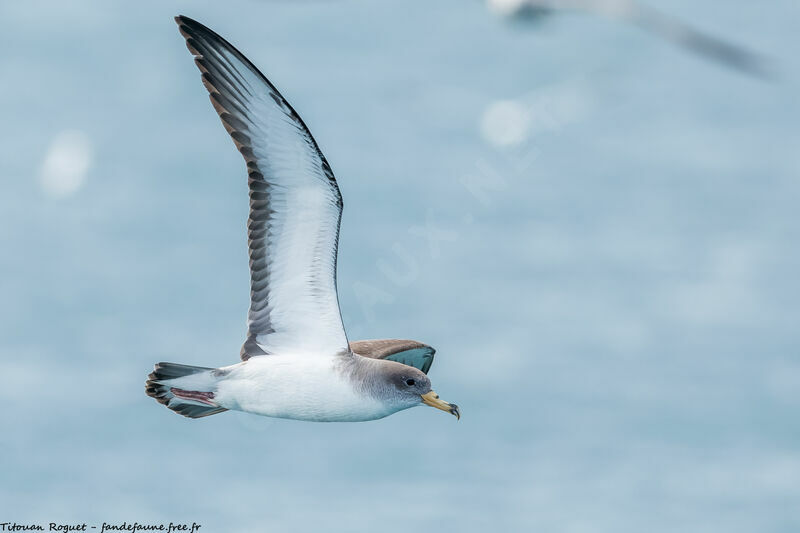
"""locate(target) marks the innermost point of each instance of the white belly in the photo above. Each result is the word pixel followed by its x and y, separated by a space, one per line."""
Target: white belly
pixel 297 387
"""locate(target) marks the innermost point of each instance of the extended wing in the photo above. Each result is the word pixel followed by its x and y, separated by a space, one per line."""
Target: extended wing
pixel 295 205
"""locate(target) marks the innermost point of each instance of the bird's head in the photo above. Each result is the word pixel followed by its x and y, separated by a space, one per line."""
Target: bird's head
pixel 409 387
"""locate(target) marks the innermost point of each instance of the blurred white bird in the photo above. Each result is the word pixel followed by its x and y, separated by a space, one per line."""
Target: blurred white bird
pixel 666 26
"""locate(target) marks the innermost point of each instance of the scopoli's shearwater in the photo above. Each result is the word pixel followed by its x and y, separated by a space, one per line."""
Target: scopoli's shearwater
pixel 296 361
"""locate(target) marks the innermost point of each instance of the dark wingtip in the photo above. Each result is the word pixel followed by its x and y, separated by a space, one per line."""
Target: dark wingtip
pixel 188 26
pixel 156 390
pixel 181 21
pixel 191 24
pixel 427 365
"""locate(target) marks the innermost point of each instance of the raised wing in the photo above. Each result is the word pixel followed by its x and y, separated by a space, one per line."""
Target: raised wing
pixel 411 353
pixel 666 26
pixel 295 205
pixel 674 30
pixel 713 48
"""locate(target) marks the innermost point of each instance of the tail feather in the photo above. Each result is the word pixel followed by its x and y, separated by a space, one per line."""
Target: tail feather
pixel 173 385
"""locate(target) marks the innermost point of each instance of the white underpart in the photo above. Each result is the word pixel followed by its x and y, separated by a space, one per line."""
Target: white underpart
pixel 297 387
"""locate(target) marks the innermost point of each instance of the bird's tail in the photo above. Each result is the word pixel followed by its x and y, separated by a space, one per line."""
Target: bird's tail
pixel 187 390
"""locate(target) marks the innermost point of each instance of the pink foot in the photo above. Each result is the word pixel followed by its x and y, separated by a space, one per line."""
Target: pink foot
pixel 197 396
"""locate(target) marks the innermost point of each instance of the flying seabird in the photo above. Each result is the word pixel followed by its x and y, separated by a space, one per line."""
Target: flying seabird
pixel 650 19
pixel 296 361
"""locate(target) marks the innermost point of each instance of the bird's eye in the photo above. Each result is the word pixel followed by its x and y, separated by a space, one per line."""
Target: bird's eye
pixel 410 382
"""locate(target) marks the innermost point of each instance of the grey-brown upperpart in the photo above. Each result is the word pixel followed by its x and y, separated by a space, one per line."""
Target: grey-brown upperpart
pixel 408 352
pixel 380 348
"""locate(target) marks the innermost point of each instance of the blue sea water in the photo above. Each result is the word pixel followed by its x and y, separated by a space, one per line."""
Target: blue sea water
pixel 612 286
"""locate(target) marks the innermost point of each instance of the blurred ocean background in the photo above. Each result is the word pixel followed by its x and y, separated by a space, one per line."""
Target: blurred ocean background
pixel 597 231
